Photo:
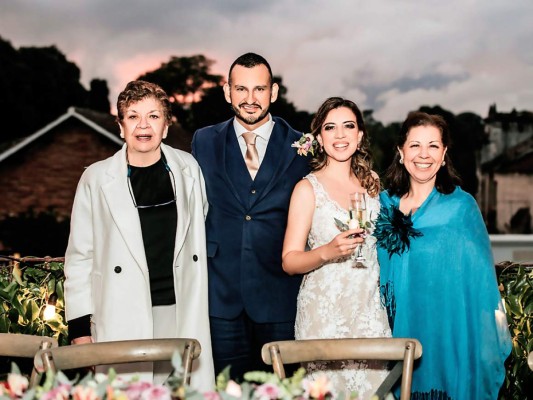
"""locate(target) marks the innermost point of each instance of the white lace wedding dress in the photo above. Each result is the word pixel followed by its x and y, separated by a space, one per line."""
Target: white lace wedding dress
pixel 339 301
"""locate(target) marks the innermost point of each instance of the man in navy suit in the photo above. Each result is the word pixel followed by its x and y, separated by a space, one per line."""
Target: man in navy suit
pixel 251 300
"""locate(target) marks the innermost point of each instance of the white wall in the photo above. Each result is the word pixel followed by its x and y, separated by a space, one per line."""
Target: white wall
pixel 511 247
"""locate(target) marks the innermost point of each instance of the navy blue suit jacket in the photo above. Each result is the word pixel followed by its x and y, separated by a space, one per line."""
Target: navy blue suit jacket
pixel 246 223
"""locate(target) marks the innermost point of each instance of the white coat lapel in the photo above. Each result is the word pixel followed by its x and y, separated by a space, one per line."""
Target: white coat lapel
pixel 125 215
pixel 184 187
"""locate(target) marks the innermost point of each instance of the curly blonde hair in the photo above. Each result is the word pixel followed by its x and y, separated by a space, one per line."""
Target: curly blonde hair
pixel 362 159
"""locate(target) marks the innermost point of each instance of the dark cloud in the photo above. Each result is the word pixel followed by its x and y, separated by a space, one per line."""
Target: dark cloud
pixel 429 81
pixel 388 55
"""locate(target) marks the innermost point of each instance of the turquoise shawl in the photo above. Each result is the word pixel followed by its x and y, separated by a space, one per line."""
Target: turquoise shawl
pixel 443 291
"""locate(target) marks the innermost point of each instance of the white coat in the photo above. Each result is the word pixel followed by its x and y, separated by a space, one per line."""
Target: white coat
pixel 105 264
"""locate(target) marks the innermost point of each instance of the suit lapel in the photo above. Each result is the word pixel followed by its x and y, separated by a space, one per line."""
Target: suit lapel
pixel 278 158
pixel 238 178
pixel 125 215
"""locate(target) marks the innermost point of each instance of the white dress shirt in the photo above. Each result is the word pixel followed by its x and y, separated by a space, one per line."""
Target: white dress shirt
pixel 263 135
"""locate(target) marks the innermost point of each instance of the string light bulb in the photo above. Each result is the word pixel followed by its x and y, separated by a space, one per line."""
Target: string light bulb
pixel 50 309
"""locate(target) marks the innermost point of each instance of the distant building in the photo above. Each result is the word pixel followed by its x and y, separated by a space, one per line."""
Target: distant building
pixel 42 170
pixel 505 195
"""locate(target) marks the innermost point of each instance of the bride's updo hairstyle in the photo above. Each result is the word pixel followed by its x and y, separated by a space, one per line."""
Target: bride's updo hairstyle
pixel 362 158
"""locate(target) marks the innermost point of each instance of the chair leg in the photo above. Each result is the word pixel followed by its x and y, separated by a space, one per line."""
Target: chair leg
pixel 35 375
pixel 48 362
pixel 188 354
pixel 277 362
pixel 407 377
pixel 389 381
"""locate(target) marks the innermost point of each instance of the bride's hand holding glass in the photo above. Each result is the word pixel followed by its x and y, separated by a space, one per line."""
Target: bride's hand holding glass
pixel 343 245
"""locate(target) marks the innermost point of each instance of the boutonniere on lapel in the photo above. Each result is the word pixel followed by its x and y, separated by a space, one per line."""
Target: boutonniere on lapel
pixel 306 144
pixel 394 230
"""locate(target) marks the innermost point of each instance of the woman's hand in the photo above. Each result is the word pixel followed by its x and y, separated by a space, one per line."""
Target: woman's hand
pixel 82 340
pixel 343 244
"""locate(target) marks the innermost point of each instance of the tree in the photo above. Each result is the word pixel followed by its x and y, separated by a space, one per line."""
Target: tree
pixel 466 132
pixel 54 82
pixel 37 84
pixel 198 96
pixel 184 78
pixel 15 93
pixel 382 141
pixel 283 108
pixel 99 96
pixel 211 109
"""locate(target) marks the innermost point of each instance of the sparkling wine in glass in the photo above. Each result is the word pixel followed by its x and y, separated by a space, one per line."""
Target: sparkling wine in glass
pixel 358 219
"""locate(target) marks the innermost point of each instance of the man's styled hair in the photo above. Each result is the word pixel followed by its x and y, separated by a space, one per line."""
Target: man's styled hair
pixel 250 60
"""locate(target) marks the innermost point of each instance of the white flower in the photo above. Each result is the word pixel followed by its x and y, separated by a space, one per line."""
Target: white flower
pixel 234 389
pixel 17 384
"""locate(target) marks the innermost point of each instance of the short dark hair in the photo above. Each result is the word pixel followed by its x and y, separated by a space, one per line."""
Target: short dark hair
pixel 397 177
pixel 138 90
pixel 250 60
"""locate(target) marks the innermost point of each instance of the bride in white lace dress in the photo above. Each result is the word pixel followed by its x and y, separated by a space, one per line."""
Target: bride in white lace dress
pixel 336 299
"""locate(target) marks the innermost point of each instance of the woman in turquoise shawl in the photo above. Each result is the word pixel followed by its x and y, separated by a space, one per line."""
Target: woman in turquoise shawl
pixel 437 273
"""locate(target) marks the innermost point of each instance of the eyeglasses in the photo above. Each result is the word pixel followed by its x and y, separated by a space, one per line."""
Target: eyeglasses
pixel 153 205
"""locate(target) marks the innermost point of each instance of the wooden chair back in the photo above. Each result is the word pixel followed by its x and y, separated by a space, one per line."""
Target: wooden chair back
pixel 403 350
pixel 118 352
pixel 26 346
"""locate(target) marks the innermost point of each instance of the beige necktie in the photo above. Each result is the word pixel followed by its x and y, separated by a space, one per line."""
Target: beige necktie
pixel 252 157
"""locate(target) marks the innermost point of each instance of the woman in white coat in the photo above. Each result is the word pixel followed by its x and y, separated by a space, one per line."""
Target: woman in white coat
pixel 136 265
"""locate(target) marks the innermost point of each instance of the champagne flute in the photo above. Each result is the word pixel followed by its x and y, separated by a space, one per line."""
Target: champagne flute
pixel 357 210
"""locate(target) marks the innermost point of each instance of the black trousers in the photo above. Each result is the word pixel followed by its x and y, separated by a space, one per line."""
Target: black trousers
pixel 238 342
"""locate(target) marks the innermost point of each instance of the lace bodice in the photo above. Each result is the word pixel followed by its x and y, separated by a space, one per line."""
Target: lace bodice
pixel 337 300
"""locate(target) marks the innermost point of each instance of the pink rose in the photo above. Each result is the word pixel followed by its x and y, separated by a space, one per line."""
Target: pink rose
pixel 267 391
pixel 211 395
pixel 84 393
pixel 135 389
pixel 157 392
pixel 317 388
pixel 59 393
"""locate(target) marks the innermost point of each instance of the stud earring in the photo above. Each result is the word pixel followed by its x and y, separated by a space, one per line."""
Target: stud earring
pixel 401 161
pixel 443 163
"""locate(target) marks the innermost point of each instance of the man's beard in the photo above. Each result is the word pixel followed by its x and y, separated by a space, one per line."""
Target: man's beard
pixel 250 119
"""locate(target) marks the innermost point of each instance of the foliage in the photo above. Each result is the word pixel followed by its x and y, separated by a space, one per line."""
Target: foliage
pixel 37 84
pixel 466 131
pixel 99 96
pixel 283 108
pixel 184 78
pixel 517 282
pixel 24 292
pixel 25 288
pixel 198 98
pixel 257 385
pixel 382 141
pixel 35 233
pixel 306 144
